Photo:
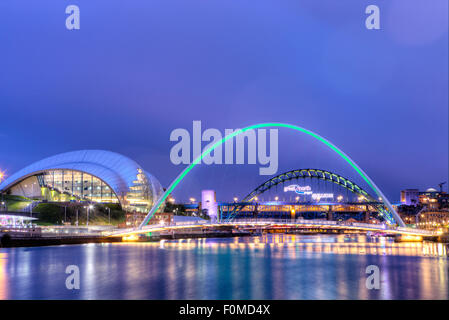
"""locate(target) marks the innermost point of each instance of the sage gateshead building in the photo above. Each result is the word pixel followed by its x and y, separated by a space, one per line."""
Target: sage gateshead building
pixel 86 175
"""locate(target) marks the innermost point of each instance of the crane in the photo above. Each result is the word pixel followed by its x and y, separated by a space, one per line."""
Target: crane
pixel 441 186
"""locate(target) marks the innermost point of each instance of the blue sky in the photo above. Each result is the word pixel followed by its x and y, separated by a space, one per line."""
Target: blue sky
pixel 138 69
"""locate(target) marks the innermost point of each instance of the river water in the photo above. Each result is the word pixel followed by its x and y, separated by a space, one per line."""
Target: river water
pixel 266 267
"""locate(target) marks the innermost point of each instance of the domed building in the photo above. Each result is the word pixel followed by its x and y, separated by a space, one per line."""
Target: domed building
pixel 89 175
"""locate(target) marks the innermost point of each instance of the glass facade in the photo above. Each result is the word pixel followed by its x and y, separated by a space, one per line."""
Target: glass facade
pixel 66 185
pixel 140 196
pixel 77 185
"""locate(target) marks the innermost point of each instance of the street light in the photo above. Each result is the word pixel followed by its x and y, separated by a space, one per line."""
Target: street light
pixel 2 176
pixel 90 207
pixel 109 214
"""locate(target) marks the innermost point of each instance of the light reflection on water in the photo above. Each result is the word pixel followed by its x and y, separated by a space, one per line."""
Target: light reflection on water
pixel 267 267
pixel 344 244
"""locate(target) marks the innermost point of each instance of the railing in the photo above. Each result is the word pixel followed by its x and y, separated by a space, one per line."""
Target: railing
pixel 74 231
pixel 351 225
pixel 21 231
pixel 382 228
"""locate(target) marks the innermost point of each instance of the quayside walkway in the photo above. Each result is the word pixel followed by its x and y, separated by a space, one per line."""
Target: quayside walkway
pixel 277 223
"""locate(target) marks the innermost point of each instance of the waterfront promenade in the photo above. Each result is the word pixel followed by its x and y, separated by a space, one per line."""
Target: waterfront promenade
pixel 76 235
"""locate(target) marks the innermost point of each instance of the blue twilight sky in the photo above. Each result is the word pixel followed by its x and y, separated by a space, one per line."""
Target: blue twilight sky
pixel 138 69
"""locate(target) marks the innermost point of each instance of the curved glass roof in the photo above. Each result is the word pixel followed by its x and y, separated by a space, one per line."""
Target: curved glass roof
pixel 118 171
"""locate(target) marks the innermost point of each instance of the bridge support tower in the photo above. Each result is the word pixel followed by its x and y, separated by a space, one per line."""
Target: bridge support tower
pixel 329 214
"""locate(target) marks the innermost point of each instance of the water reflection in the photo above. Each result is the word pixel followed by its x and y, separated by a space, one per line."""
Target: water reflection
pixel 267 267
pixel 3 277
pixel 359 245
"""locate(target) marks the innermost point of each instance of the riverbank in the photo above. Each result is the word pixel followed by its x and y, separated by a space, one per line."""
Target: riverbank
pixel 10 242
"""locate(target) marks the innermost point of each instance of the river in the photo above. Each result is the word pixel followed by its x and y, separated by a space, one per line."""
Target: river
pixel 266 267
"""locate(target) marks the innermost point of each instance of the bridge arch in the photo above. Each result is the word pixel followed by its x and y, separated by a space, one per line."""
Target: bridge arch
pixel 313 174
pixel 186 170
pixel 308 173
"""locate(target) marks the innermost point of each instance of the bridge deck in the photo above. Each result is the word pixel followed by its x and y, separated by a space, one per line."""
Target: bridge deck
pixel 323 224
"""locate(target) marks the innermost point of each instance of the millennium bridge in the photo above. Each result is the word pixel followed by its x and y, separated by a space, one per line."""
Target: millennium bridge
pixel 252 214
pixel 235 214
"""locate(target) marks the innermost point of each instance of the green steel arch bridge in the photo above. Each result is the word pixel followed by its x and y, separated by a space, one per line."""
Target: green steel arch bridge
pixel 318 174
